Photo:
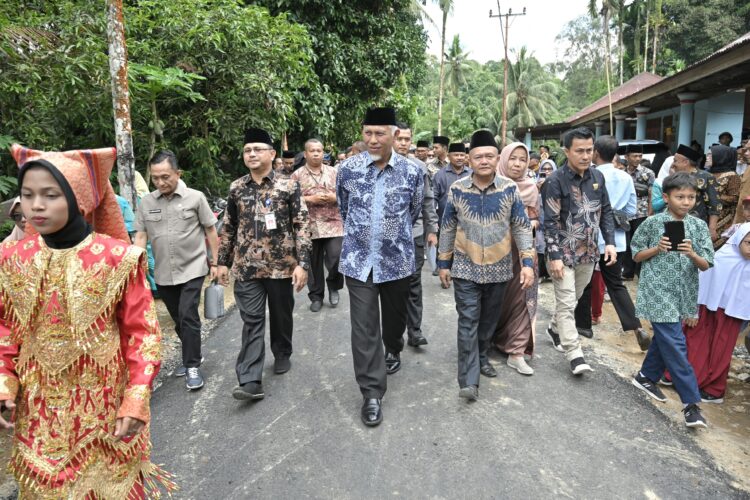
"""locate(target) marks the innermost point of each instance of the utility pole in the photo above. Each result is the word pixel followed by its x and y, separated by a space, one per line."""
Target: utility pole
pixel 504 32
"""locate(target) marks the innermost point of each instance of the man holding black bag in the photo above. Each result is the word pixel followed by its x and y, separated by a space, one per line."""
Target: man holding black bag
pixel 622 197
pixel 643 180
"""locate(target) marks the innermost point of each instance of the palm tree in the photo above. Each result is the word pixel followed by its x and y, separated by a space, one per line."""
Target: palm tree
pixel 607 7
pixel 446 6
pixel 532 93
pixel 456 66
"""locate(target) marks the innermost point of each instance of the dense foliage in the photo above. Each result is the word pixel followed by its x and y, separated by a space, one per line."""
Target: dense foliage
pixel 201 71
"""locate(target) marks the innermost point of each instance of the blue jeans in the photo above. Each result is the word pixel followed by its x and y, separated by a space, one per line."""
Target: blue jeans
pixel 479 307
pixel 668 351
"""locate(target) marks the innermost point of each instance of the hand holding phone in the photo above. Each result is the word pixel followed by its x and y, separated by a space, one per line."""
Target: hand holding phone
pixel 675 231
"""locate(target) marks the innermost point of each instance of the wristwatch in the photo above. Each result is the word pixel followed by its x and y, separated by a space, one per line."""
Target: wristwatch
pixel 305 266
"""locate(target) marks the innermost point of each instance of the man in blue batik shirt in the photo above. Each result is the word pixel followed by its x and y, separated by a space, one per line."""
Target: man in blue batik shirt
pixel 380 197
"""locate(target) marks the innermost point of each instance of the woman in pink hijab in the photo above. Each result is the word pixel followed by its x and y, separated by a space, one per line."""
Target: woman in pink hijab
pixel 18 219
pixel 515 331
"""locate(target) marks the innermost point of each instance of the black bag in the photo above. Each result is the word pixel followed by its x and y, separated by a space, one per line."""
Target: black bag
pixel 641 189
pixel 621 220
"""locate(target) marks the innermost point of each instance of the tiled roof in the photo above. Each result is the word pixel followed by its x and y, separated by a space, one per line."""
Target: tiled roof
pixel 632 86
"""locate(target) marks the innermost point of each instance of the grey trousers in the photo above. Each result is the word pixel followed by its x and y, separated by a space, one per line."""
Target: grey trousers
pixel 365 302
pixel 414 306
pixel 251 300
pixel 479 309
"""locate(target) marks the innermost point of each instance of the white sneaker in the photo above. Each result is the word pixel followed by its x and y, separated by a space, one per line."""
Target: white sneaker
pixel 519 364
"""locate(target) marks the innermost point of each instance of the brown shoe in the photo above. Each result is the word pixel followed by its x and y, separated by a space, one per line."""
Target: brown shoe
pixel 641 336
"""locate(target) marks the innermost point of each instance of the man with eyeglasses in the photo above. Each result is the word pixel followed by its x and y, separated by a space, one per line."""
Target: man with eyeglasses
pixel 265 240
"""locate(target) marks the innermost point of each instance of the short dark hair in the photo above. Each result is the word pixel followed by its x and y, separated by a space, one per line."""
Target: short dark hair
pixel 577 133
pixel 535 156
pixel 403 126
pixel 726 134
pixel 545 147
pixel 167 155
pixel 606 146
pixel 679 180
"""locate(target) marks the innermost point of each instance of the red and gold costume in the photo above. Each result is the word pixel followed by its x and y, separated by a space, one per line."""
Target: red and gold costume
pixel 79 347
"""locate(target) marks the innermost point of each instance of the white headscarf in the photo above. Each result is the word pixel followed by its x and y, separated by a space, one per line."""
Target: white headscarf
pixel 665 168
pixel 727 284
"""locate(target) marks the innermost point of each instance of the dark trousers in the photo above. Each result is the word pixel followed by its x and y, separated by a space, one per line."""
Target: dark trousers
pixel 479 309
pixel 630 268
pixel 618 293
pixel 542 265
pixel 251 300
pixel 369 304
pixel 325 251
pixel 182 303
pixel 414 306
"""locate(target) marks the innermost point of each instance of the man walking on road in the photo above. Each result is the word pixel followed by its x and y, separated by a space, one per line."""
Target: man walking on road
pixel 318 185
pixel 380 197
pixel 483 212
pixel 424 230
pixel 643 180
pixel 622 197
pixel 178 221
pixel 576 208
pixel 265 240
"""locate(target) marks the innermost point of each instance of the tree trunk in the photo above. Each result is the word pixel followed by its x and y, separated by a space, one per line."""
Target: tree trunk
pixel 442 75
pixel 118 70
pixel 645 46
pixel 619 38
pixel 637 36
pixel 608 65
pixel 657 25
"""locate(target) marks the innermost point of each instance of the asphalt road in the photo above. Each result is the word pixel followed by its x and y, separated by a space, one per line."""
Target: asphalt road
pixel 536 437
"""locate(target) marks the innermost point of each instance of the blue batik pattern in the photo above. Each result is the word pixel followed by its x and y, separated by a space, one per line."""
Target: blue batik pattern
pixel 379 208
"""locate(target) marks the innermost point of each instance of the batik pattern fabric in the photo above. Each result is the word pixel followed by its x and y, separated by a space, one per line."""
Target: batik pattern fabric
pixel 379 209
pixel 248 245
pixel 668 284
pixel 478 230
pixel 576 209
pixel 728 186
pixel 642 176
pixel 324 220
pixel 707 201
pixel 80 347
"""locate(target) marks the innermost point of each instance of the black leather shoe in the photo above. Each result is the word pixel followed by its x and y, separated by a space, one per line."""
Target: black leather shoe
pixel 416 339
pixel 316 306
pixel 392 362
pixel 644 341
pixel 371 412
pixel 281 365
pixel 248 391
pixel 488 370
pixel 585 332
pixel 333 297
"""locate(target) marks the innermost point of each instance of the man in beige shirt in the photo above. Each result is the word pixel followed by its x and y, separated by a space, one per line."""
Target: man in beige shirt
pixel 178 221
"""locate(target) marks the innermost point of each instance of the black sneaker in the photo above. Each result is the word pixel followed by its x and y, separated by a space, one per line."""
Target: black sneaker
pixel 555 338
pixel 693 417
pixel 648 387
pixel 666 382
pixel 579 365
pixel 181 371
pixel 707 398
pixel 248 391
pixel 193 379
pixel 470 393
pixel 586 332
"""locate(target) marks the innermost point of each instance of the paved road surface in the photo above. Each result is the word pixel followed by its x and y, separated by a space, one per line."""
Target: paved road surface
pixel 537 437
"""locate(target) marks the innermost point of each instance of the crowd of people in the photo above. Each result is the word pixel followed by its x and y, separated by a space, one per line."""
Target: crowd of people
pixel 80 342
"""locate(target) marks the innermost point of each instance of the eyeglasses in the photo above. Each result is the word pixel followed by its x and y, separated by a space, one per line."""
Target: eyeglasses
pixel 256 150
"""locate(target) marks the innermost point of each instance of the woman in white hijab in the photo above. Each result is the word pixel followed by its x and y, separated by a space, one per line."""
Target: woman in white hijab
pixel 724 305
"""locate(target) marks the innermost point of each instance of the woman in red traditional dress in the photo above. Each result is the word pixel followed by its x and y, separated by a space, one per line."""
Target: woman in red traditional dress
pixel 79 338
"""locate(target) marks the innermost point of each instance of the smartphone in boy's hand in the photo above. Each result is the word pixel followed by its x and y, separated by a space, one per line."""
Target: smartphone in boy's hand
pixel 675 231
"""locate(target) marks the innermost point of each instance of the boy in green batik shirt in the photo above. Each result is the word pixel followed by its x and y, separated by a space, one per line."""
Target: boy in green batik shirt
pixel 668 292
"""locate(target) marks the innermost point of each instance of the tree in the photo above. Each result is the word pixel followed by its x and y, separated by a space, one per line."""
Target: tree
pixel 446 6
pixel 607 7
pixel 532 93
pixel 250 69
pixel 457 66
pixel 361 51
